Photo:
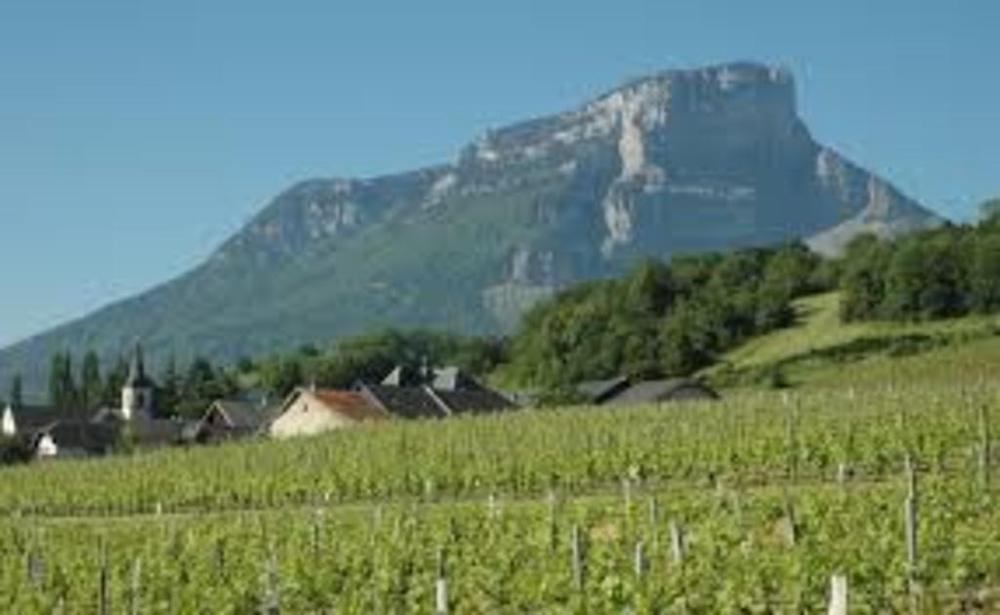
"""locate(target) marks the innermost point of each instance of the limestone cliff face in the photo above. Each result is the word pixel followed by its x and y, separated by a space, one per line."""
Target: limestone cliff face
pixel 680 161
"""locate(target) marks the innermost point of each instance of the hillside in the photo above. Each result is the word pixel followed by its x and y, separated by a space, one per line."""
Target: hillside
pixel 821 351
pixel 680 161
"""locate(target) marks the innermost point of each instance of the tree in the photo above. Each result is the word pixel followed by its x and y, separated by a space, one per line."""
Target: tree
pixel 91 385
pixel 16 391
pixel 169 394
pixel 62 388
pixel 984 273
pixel 113 383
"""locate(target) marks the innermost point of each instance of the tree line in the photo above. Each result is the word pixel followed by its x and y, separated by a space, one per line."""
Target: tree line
pixel 946 272
pixel 662 319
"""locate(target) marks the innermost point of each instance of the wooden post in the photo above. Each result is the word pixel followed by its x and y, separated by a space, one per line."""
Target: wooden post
pixel 441 586
pixel 984 446
pixel 316 535
pixel 627 497
pixel 793 456
pixel 36 569
pixel 640 560
pixel 838 595
pixel 135 590
pixel 103 603
pixel 491 505
pixel 577 558
pixel 910 510
pixel 791 525
pixel 553 528
pixel 654 521
pixel 676 543
pixel 842 473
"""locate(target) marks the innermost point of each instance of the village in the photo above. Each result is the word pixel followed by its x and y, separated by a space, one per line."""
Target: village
pixel 46 433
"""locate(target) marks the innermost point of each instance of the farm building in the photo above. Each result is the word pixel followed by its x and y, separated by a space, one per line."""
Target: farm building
pixel 436 393
pixel 231 419
pixel 620 391
pixel 309 411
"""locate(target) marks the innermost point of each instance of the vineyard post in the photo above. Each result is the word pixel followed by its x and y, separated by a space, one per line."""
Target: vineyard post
pixel 910 510
pixel 677 543
pixel 627 496
pixel 838 595
pixel 677 549
pixel 316 538
pixel 36 569
pixel 135 587
pixel 577 558
pixel 842 473
pixel 654 515
pixel 984 446
pixel 791 526
pixel 640 560
pixel 103 604
pixel 553 528
pixel 790 419
pixel 491 505
pixel 441 586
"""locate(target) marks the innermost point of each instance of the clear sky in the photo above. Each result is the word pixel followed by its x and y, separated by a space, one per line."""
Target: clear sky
pixel 135 136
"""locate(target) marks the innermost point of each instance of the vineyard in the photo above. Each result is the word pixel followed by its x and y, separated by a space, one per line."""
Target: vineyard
pixel 749 504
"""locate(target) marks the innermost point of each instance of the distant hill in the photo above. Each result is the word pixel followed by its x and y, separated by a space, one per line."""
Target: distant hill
pixel 680 161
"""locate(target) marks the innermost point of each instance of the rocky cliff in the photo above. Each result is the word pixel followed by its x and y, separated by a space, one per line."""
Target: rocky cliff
pixel 680 161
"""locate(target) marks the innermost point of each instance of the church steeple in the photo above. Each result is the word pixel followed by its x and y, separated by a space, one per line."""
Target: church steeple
pixel 138 390
pixel 137 370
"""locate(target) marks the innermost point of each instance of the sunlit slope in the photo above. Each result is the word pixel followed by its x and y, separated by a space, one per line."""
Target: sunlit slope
pixel 821 350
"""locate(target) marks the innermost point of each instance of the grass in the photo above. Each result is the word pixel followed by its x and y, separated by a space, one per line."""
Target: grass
pixel 820 350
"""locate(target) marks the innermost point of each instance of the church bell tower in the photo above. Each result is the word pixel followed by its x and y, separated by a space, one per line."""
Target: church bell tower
pixel 138 391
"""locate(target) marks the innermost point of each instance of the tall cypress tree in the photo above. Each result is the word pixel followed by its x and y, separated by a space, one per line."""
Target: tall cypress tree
pixel 91 385
pixel 16 392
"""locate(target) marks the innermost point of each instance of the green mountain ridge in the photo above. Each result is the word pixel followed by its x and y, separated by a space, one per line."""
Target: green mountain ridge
pixel 681 161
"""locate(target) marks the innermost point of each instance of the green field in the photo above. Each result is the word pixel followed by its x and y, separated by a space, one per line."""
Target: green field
pixel 820 351
pixel 749 504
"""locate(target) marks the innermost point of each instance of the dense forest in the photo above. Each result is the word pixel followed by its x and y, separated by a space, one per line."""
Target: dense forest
pixel 946 272
pixel 662 319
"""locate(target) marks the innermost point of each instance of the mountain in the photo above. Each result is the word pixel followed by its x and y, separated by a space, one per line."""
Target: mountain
pixel 680 161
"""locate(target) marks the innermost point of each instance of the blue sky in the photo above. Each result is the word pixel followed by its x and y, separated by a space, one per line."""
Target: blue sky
pixel 136 136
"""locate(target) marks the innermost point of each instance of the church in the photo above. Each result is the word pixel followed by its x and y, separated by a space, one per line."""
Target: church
pixel 53 433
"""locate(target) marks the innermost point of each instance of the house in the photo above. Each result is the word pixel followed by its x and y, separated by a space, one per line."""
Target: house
pixel 228 419
pixel 439 393
pixel 74 439
pixel 661 391
pixel 622 391
pixel 53 432
pixel 599 391
pixel 309 411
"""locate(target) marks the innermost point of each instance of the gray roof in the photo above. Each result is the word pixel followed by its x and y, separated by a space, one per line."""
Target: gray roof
pixel 653 391
pixel 407 402
pixel 247 415
pixel 82 436
pixel 597 391
pixel 35 418
pixel 428 402
pixel 473 401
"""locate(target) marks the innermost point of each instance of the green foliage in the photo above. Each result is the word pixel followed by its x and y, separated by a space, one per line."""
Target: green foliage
pixel 63 393
pixel 16 397
pixel 353 521
pixel 370 357
pixel 91 384
pixel 660 319
pixel 941 273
